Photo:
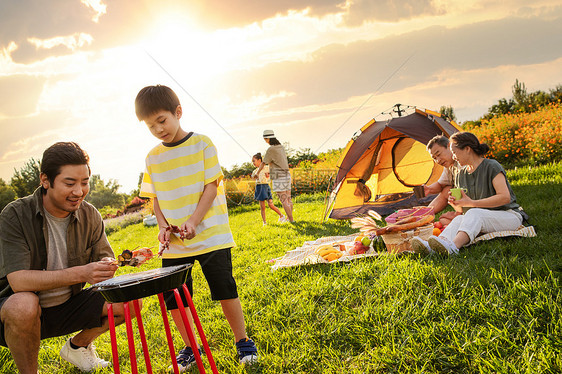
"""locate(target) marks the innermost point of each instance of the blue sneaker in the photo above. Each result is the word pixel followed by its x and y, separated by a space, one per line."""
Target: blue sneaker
pixel 247 351
pixel 185 358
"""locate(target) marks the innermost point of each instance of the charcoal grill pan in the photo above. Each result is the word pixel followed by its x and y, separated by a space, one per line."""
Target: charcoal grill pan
pixel 135 286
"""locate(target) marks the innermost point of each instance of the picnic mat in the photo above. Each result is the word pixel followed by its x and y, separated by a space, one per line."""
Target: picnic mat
pixel 305 254
pixel 527 231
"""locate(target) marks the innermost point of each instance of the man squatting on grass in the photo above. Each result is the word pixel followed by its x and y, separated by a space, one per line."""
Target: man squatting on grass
pixel 52 243
pixel 184 177
pixel 438 147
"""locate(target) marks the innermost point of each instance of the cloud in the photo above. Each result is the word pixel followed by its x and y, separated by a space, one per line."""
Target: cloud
pixel 337 72
pixel 27 139
pixel 97 6
pixel 39 20
pixel 72 42
pixel 19 94
pixel 361 11
pixel 91 23
pixel 235 13
pixel 221 14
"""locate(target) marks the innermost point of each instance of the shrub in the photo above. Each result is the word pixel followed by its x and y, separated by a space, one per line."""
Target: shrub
pixel 109 212
pixel 524 138
pixel 117 223
pixel 239 190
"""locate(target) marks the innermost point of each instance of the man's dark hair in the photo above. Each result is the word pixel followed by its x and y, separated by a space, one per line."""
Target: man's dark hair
pixel 61 154
pixel 439 140
pixel 152 99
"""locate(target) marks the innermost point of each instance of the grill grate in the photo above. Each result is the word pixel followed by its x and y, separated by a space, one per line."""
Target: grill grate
pixel 127 280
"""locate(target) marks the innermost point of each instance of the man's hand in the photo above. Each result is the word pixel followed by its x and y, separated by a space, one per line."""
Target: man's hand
pixel 96 272
pixel 40 280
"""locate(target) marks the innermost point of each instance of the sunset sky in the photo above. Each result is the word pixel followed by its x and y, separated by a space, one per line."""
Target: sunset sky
pixel 313 71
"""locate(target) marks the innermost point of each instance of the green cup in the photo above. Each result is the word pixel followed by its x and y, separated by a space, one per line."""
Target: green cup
pixel 456 192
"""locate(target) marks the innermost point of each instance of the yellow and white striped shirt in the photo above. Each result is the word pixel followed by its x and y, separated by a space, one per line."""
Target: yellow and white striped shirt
pixel 176 174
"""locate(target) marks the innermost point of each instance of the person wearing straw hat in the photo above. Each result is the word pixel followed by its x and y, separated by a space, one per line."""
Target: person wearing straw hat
pixel 276 158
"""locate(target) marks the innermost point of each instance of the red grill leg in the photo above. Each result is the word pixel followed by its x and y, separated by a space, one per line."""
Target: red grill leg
pixel 200 330
pixel 168 333
pixel 190 334
pixel 142 337
pixel 113 336
pixel 130 338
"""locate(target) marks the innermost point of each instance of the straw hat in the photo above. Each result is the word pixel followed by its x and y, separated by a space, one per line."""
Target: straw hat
pixel 268 134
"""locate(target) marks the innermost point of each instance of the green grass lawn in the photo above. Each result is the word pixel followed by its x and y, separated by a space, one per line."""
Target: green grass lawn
pixel 495 308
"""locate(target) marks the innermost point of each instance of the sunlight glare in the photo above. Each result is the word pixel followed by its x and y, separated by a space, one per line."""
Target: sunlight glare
pixel 185 51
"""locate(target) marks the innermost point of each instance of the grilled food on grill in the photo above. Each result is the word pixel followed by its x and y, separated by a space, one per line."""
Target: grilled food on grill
pixel 135 257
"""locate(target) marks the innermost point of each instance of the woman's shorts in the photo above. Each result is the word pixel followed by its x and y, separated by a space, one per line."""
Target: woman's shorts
pixel 263 192
pixel 280 181
pixel 217 269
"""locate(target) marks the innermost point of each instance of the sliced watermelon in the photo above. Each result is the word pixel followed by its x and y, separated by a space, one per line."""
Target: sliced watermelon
pixel 418 212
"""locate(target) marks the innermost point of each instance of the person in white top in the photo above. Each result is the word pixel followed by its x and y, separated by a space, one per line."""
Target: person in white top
pixel 276 158
pixel 438 147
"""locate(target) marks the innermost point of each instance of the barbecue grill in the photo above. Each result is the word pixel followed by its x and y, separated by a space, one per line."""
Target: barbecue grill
pixel 135 286
pixel 129 288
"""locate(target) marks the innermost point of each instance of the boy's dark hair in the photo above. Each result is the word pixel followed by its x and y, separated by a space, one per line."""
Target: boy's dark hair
pixel 467 139
pixel 439 140
pixel 152 99
pixel 61 154
pixel 274 141
pixel 257 156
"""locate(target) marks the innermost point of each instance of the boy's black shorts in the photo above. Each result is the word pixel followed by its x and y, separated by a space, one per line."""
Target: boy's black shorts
pixel 217 268
pixel 81 311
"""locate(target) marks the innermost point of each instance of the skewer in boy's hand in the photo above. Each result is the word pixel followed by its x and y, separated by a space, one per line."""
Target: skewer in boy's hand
pixel 164 235
pixel 188 230
pixel 164 239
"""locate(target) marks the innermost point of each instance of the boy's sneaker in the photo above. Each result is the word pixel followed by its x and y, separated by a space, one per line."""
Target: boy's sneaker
pixel 247 351
pixel 420 246
pixel 186 359
pixel 85 359
pixel 442 246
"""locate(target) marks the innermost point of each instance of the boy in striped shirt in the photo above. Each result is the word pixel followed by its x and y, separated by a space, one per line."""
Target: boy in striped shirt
pixel 184 179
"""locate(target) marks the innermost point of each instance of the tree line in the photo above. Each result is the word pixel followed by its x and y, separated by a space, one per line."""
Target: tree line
pixel 105 194
pixel 294 158
pixel 26 179
pixel 521 101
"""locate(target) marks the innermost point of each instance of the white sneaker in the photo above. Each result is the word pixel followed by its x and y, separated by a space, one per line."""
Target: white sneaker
pixel 442 246
pixel 282 219
pixel 85 359
pixel 420 246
